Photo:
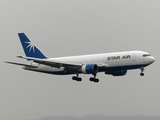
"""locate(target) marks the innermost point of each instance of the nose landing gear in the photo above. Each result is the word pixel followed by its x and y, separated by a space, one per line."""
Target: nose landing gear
pixel 141 74
pixel 142 70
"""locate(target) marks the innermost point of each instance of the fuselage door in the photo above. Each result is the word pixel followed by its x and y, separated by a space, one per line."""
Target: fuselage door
pixel 134 57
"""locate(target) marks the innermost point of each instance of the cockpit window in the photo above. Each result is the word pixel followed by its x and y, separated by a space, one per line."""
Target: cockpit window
pixel 145 55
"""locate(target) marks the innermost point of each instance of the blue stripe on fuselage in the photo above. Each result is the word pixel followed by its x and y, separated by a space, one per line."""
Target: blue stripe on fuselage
pixel 129 67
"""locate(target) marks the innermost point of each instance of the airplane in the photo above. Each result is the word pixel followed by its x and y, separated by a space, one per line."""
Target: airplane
pixel 115 63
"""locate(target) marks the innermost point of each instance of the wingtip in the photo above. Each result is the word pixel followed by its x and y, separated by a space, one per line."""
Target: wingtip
pixel 7 62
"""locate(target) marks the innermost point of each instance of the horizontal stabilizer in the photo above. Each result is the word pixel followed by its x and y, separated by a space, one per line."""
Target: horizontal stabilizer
pixel 22 64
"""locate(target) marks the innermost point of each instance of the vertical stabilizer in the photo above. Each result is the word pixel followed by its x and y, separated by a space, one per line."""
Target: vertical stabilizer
pixel 29 48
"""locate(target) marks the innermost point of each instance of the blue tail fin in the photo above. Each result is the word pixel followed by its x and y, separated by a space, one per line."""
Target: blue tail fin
pixel 29 49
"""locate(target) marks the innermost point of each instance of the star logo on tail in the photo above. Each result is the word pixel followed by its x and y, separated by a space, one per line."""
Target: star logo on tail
pixel 31 45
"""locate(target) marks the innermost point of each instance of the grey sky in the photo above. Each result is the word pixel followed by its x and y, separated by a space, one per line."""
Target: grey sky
pixel 74 27
pixel 101 117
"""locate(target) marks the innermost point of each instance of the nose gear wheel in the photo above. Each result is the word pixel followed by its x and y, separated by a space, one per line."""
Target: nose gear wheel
pixel 142 70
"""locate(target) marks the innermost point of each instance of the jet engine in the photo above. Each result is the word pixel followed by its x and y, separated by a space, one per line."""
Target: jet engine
pixel 89 69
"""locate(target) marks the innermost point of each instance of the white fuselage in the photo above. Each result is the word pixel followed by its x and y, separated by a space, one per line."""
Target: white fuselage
pixel 109 61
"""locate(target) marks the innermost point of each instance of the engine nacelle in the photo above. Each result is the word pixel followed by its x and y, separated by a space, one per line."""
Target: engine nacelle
pixel 117 73
pixel 89 69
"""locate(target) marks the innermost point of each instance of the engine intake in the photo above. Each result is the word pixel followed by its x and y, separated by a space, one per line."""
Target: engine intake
pixel 89 69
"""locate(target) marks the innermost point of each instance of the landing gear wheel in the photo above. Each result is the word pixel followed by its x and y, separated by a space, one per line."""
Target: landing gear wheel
pixel 77 78
pixel 91 79
pixel 94 80
pixel 74 78
pixel 141 74
pixel 142 70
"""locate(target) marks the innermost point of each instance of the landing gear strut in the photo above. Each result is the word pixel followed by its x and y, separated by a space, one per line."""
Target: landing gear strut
pixel 94 79
pixel 79 79
pixel 142 70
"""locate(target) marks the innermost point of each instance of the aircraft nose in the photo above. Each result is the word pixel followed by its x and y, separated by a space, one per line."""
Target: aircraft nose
pixel 152 59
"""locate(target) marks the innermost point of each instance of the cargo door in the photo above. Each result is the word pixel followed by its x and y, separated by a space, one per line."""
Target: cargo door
pixel 134 57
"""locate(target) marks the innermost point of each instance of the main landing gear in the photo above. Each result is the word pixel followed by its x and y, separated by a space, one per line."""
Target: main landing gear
pixel 79 79
pixel 142 70
pixel 94 79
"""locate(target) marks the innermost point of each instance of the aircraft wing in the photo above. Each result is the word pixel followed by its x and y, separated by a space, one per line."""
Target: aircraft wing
pixel 57 64
pixel 21 64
